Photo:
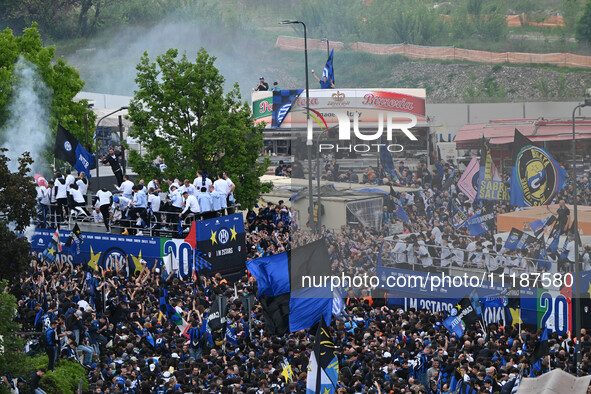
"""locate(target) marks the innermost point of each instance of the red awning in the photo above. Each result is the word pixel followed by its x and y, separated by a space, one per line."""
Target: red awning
pixel 500 132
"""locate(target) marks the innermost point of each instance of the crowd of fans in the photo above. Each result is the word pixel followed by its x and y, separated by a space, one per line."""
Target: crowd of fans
pixel 134 206
pixel 113 324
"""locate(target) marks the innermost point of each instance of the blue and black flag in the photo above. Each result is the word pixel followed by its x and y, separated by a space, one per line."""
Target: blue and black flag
pixel 538 226
pixel 517 239
pixel 323 368
pixel 67 148
pixel 283 102
pixel 328 71
pixel 541 350
pixel 450 377
pixel 286 292
pixel 536 177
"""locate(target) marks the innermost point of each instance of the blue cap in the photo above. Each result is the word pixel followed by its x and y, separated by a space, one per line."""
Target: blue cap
pixel 116 199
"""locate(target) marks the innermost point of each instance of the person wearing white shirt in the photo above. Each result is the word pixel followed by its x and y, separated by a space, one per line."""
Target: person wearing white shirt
pixel 189 188
pixel 410 255
pixel 61 195
pixel 82 183
pixel 490 259
pixel 52 204
pixel 436 231
pixel 424 256
pixel 586 259
pixel 201 181
pixel 126 187
pixel 43 200
pixel 154 204
pixel 446 254
pixel 457 257
pixel 191 206
pixel 104 200
pixel 206 204
pixel 77 203
pixel 216 200
pixel 231 186
pixel 121 204
pixel 176 203
pixel 399 252
pixel 70 179
pixel 155 185
pixel 221 186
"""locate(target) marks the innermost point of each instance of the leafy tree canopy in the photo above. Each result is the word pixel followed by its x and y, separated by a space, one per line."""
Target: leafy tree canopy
pixel 18 207
pixel 181 114
pixel 62 79
pixel 583 26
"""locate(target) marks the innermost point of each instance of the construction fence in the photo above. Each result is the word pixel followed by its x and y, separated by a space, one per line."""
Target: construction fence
pixel 442 53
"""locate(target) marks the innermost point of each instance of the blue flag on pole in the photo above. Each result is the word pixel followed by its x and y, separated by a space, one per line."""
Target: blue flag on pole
pixel 283 101
pixel 328 71
pixel 290 302
pixel 399 212
pixel 455 325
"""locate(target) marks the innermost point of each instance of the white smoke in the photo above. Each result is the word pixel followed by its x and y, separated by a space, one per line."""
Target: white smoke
pixel 27 127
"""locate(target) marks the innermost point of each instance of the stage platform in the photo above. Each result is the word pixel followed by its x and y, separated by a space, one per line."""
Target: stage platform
pixel 521 219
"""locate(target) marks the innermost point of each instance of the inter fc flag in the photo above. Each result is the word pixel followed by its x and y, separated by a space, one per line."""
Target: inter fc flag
pixel 54 247
pixel 450 376
pixel 538 226
pixel 75 240
pixel 288 287
pixel 458 216
pixel 283 102
pixel 540 351
pixel 328 71
pixel 323 368
pixel 67 148
pixel 517 239
pixel 536 177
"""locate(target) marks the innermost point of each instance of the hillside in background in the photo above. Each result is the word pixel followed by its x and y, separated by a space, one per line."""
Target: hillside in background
pixel 105 39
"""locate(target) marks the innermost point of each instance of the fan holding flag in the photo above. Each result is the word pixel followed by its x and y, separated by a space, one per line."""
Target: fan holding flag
pixel 327 81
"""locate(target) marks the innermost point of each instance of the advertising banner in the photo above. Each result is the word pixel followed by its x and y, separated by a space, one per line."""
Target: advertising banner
pixel 222 242
pixel 328 105
pixel 106 250
pixel 550 308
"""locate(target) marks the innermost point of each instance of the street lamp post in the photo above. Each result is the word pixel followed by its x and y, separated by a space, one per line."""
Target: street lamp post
pixel 577 292
pixel 327 45
pixel 309 141
pixel 98 178
pixel 318 172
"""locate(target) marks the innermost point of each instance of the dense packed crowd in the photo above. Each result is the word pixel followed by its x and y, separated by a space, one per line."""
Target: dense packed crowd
pixel 115 327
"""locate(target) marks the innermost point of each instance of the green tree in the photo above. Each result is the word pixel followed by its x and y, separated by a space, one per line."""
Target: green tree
pixel 18 207
pixel 181 114
pixel 62 79
pixel 583 26
pixel 570 9
pixel 12 360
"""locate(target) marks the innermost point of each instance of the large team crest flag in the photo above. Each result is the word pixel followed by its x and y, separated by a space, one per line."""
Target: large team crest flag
pixel 536 177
